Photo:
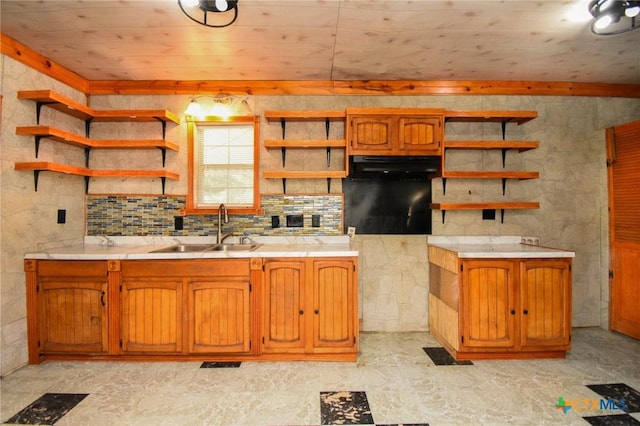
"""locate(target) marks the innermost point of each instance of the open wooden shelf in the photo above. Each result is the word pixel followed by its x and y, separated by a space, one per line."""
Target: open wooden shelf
pixel 481 174
pixel 305 143
pixel 61 103
pixel 46 166
pixel 490 116
pixel 312 174
pixel 58 102
pixel 498 144
pixel 502 206
pixel 326 116
pixel 40 132
pixel 305 115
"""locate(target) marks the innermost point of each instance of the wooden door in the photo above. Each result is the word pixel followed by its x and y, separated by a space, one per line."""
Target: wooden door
pixel 545 303
pixel 374 135
pixel 334 307
pixel 73 315
pixel 284 306
pixel 623 159
pixel 151 310
pixel 219 316
pixel 488 304
pixel 420 135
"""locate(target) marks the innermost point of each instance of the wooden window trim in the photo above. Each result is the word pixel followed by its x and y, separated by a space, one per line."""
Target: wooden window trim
pixel 191 208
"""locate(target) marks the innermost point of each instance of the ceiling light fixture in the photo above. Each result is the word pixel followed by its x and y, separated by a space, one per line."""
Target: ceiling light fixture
pixel 224 106
pixel 200 10
pixel 614 17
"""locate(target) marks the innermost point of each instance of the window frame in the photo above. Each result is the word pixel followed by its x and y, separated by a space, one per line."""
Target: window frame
pixel 191 207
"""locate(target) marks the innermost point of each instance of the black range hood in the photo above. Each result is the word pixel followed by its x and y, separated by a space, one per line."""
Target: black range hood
pixel 387 164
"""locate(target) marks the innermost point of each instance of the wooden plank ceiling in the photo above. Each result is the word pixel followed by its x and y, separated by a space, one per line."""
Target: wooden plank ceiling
pixel 329 40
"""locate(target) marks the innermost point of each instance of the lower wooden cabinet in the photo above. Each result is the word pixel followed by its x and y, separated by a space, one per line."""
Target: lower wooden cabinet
pixel 207 309
pixel 151 312
pixel 502 308
pixel 71 307
pixel 310 306
pixel 219 313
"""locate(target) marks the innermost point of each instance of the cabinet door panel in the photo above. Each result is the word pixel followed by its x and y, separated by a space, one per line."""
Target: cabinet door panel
pixel 284 306
pixel 420 135
pixel 73 315
pixel 333 305
pixel 545 301
pixel 489 303
pixel 372 134
pixel 151 315
pixel 219 316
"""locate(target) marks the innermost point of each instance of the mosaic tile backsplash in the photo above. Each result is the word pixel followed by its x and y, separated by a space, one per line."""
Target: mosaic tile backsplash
pixel 132 215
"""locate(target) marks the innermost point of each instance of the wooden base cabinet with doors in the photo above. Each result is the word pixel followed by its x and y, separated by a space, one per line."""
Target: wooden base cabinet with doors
pixel 67 307
pixel 500 308
pixel 229 309
pixel 310 307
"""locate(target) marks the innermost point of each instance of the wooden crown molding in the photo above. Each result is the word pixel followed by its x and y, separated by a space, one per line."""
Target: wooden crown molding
pixel 35 60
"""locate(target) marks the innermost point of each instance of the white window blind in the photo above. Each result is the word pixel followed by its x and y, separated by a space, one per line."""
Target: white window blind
pixel 223 165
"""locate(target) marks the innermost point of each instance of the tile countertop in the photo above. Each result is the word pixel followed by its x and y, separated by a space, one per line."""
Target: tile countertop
pixel 135 248
pixel 502 247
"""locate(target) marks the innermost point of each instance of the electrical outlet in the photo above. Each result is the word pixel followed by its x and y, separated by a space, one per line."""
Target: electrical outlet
pixel 530 240
pixel 351 231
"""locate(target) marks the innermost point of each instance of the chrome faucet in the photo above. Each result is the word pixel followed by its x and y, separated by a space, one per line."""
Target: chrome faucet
pixel 220 237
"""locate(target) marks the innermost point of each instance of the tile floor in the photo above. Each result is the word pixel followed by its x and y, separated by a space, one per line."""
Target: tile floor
pixel 394 381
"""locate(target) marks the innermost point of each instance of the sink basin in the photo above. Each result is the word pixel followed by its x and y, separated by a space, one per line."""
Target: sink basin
pixel 190 248
pixel 184 248
pixel 235 247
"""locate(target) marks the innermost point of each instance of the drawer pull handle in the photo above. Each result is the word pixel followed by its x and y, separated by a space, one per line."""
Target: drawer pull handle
pixel 513 312
pixel 301 312
pixel 526 311
pixel 102 299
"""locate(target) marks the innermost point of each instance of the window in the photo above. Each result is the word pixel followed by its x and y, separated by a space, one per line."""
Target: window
pixel 223 165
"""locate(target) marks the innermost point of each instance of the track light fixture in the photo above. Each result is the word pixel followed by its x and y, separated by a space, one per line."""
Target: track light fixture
pixel 219 10
pixel 613 16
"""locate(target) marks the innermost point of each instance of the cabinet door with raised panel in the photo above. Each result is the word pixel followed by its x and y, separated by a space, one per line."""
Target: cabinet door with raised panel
pixel 335 310
pixel 284 306
pixel 73 316
pixel 72 306
pixel 488 303
pixel 372 135
pixel 151 314
pixel 545 293
pixel 219 316
pixel 420 135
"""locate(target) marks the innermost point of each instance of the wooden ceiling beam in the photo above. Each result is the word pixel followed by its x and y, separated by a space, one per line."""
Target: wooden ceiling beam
pixel 35 60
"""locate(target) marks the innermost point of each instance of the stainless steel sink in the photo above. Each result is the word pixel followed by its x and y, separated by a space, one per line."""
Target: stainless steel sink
pixel 235 247
pixel 184 248
pixel 190 248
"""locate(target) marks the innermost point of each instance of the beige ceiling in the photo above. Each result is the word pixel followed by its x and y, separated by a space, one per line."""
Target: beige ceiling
pixel 326 40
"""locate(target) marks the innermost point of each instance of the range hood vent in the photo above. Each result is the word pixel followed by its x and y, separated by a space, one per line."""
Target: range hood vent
pixel 386 164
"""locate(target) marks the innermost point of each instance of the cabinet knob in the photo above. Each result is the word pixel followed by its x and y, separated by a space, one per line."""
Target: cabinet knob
pixel 526 311
pixel 301 312
pixel 316 312
pixel 513 312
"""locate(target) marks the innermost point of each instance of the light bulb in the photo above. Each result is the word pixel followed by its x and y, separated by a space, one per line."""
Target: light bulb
pixel 194 109
pixel 222 5
pixel 603 22
pixel 632 12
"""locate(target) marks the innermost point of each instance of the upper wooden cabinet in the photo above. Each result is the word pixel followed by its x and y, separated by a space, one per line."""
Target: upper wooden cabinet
pixel 395 131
